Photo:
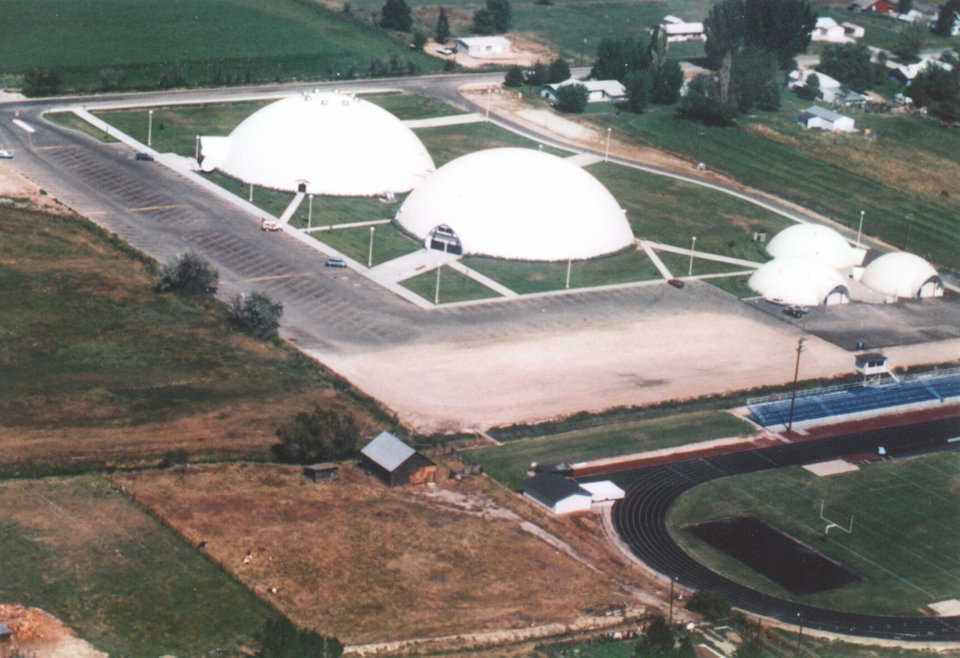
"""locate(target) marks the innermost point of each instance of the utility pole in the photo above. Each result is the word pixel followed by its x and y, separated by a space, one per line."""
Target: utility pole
pixel 606 152
pixel 796 372
pixel 859 229
pixel 436 292
pixel 569 260
pixel 370 251
pixel 310 211
pixel 149 127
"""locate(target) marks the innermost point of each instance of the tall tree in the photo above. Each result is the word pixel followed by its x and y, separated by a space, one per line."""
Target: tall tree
pixel 617 58
pixel 395 15
pixel 910 40
pixel 703 102
pixel 753 70
pixel 849 63
pixel 780 26
pixel 667 83
pixel 904 6
pixel 639 85
pixel 502 14
pixel 559 70
pixel 442 31
pixel 947 17
pixel 572 98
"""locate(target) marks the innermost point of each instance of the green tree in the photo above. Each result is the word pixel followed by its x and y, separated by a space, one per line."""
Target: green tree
pixel 849 63
pixel 189 274
pixel 618 58
pixel 667 83
pixel 419 40
pixel 514 77
pixel 910 40
pixel 947 17
pixel 753 71
pixel 703 102
pixel 572 99
pixel 811 89
pixel 258 314
pixel 280 638
pixel 484 22
pixel 559 70
pixel 322 435
pixel 41 82
pixel 494 18
pixel 639 87
pixel 938 90
pixel 657 639
pixel 782 27
pixel 904 6
pixel 709 604
pixel 442 31
pixel 539 76
pixel 395 15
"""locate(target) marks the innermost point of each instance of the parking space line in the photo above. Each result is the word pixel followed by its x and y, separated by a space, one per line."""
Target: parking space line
pixel 150 208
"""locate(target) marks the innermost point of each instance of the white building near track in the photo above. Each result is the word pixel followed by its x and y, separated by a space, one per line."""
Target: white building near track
pixel 902 274
pixel 321 143
pixel 815 242
pixel 799 282
pixel 516 203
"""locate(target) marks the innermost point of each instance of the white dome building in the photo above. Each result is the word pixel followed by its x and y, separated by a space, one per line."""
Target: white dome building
pixel 516 203
pixel 321 143
pixel 799 282
pixel 902 274
pixel 815 242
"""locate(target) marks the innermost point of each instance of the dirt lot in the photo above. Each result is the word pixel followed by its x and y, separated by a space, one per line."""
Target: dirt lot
pixel 41 635
pixel 423 562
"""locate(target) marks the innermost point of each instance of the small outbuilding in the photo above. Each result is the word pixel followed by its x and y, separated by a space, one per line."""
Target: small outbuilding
pixel 323 472
pixel 598 91
pixel 603 491
pixel 820 117
pixel 829 30
pixel 557 493
pixel 829 87
pixel 483 46
pixel 872 363
pixel 396 463
pixel 679 30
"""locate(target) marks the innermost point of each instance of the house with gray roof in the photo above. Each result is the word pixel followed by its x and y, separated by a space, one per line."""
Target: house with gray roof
pixel 396 463
pixel 820 117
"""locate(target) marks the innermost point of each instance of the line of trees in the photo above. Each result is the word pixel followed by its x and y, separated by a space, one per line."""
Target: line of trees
pixel 495 18
pixel 642 66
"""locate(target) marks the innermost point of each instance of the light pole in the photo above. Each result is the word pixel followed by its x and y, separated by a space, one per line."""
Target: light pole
pixel 670 622
pixel 606 151
pixel 436 292
pixel 569 260
pixel 909 218
pixel 796 372
pixel 149 127
pixel 370 250
pixel 250 198
pixel 699 139
pixel 583 59
pixel 310 211
pixel 196 150
pixel 800 632
pixel 693 245
pixel 859 229
pixel 488 103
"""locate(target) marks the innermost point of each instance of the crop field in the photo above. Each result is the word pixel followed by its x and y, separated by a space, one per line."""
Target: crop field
pixel 903 539
pixel 903 176
pixel 454 286
pixel 509 463
pixel 90 348
pixel 422 561
pixel 82 551
pixel 118 44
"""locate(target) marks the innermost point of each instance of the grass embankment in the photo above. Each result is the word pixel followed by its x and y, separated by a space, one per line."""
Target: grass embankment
pixel 152 43
pixel 80 550
pixel 454 286
pixel 72 121
pixel 509 463
pixel 447 143
pixel 903 539
pixel 98 369
pixel 903 169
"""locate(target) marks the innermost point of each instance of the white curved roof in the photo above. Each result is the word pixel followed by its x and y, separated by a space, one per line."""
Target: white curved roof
pixel 795 281
pixel 335 143
pixel 899 273
pixel 814 242
pixel 519 203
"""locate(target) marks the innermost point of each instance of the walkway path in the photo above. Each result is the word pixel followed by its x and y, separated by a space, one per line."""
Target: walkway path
pixel 452 120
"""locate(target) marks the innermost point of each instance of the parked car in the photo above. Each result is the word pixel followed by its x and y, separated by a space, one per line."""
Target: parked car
pixel 143 156
pixel 446 51
pixel 336 262
pixel 5 154
pixel 270 225
pixel 676 283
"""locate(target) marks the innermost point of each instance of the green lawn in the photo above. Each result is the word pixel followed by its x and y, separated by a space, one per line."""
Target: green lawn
pixel 389 242
pixel 411 106
pixel 679 265
pixel 508 463
pixel 194 42
pixel 454 286
pixel 735 285
pixel 83 552
pixel 446 143
pixel 528 276
pixel 904 537
pixel 72 121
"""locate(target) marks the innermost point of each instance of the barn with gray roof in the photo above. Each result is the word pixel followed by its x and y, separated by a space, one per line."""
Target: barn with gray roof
pixel 396 463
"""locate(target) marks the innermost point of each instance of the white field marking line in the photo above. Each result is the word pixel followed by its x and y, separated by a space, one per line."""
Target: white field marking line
pixel 150 208
pixel 55 147
pixel 275 277
pixel 846 548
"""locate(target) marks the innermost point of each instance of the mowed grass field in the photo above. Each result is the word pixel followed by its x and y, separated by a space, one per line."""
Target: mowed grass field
pixel 904 536
pixel 85 553
pixel 194 42
pixel 509 463
pixel 99 369
pixel 453 286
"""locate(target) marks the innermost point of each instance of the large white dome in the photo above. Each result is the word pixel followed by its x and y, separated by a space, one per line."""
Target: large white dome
pixel 799 282
pixel 902 274
pixel 814 242
pixel 518 203
pixel 333 143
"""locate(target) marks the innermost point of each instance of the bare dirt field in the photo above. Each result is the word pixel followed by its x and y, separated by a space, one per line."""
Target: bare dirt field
pixel 41 635
pixel 17 191
pixel 371 564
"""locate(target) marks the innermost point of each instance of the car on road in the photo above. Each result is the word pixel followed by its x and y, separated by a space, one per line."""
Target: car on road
pixel 5 154
pixel 143 156
pixel 336 262
pixel 446 51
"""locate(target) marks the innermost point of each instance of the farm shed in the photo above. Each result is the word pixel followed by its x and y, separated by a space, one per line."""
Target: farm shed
pixel 483 46
pixel 598 91
pixel 557 493
pixel 820 117
pixel 396 463
pixel 678 30
pixel 829 87
pixel 322 472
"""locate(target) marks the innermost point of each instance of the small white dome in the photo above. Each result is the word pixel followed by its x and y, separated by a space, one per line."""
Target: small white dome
pixel 799 282
pixel 902 274
pixel 518 203
pixel 333 143
pixel 814 242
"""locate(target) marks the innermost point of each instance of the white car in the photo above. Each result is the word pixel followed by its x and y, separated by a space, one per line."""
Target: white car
pixel 4 153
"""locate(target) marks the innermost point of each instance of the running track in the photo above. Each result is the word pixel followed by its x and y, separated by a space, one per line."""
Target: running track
pixel 640 518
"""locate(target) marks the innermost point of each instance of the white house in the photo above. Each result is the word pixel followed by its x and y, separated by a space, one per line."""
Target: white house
pixel 598 91
pixel 819 117
pixel 829 88
pixel 677 30
pixel 827 29
pixel 483 46
pixel 853 31
pixel 910 71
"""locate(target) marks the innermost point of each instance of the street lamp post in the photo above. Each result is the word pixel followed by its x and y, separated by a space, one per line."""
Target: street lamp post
pixel 606 151
pixel 800 632
pixel 693 245
pixel 796 372
pixel 859 229
pixel 583 58
pixel 488 104
pixel 909 218
pixel 670 618
pixel 149 127
pixel 196 150
pixel 250 198
pixel 310 211
pixel 699 139
pixel 370 250
pixel 436 292
pixel 569 261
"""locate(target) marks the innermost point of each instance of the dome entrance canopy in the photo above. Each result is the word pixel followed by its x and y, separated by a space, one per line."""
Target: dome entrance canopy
pixel 520 204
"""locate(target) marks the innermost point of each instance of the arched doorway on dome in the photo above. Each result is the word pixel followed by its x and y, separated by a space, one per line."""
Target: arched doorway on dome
pixel 442 238
pixel 932 287
pixel 839 295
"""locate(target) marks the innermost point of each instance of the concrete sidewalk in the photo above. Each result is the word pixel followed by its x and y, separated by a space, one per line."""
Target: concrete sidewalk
pixel 453 120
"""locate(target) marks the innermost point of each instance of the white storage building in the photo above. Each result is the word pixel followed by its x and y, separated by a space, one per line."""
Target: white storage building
pixel 598 91
pixel 815 242
pixel 557 493
pixel 482 46
pixel 902 274
pixel 819 117
pixel 799 282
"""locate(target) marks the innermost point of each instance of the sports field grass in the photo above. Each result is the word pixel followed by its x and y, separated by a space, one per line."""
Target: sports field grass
pixel 98 368
pixel 904 535
pixel 389 242
pixel 508 463
pixel 82 551
pixel 72 121
pixel 192 42
pixel 446 143
pixel 454 286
